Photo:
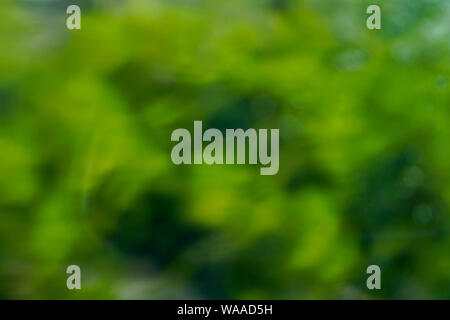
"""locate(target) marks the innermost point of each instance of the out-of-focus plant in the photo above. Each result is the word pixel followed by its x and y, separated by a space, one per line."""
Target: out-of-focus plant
pixel 86 176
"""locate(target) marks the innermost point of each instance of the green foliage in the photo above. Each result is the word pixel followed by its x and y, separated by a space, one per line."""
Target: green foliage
pixel 86 177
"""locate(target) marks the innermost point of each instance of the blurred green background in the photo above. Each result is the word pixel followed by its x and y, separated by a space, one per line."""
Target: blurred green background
pixel 85 170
